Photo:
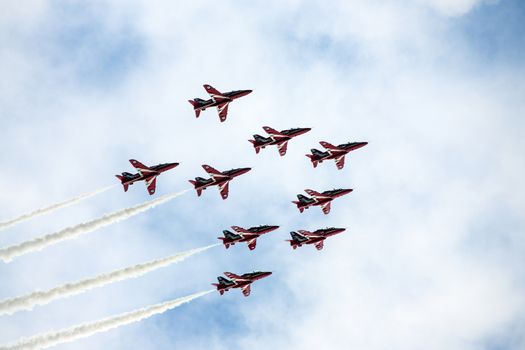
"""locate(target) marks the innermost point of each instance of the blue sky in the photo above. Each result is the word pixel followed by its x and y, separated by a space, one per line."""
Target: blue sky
pixel 432 255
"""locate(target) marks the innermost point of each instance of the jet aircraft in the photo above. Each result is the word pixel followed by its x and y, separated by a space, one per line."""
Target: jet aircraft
pixel 234 281
pixel 218 99
pixel 323 199
pixel 245 235
pixel 146 174
pixel 279 138
pixel 316 238
pixel 334 152
pixel 217 178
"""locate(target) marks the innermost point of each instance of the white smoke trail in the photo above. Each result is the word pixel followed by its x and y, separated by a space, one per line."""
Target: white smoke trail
pixel 42 211
pixel 7 254
pixel 46 340
pixel 27 302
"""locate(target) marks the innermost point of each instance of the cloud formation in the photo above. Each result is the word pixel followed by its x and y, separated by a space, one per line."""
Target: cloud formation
pixel 432 255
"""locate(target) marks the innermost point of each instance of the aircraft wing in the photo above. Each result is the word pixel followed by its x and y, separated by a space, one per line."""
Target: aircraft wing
pixel 246 290
pixel 340 162
pixel 282 148
pixel 215 94
pixel 300 237
pixel 304 232
pixel 223 110
pixel 272 131
pixel 313 193
pixel 319 245
pixel 326 207
pixel 328 145
pixel 233 276
pixel 252 243
pixel 224 189
pixel 141 168
pixel 214 173
pixel 151 184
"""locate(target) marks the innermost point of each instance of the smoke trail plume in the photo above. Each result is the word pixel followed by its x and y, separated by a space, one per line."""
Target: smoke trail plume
pixel 46 340
pixel 7 254
pixel 42 211
pixel 27 302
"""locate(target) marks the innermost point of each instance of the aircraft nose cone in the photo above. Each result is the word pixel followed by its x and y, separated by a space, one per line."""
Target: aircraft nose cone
pixel 171 165
pixel 304 130
pixel 244 170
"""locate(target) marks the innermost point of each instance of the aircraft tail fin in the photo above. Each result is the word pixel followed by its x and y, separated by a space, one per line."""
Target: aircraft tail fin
pixel 223 239
pixel 122 179
pixel 199 190
pixel 196 108
pixel 313 160
pixel 257 148
pixel 219 289
pixel 298 204
pixel 293 243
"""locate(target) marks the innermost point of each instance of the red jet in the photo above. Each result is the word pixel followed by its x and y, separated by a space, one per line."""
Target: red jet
pixel 323 199
pixel 334 152
pixel 316 238
pixel 250 235
pixel 218 99
pixel 279 138
pixel 147 174
pixel 217 179
pixel 235 281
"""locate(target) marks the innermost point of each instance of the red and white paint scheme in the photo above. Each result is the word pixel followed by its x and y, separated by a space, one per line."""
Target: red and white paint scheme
pixel 235 281
pixel 245 235
pixel 337 153
pixel 217 178
pixel 323 199
pixel 218 99
pixel 316 238
pixel 145 173
pixel 279 138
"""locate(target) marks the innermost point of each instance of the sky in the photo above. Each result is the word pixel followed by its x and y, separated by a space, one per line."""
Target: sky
pixel 433 253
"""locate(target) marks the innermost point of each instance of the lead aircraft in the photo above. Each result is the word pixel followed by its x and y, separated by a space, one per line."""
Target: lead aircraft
pixel 323 199
pixel 279 138
pixel 218 99
pixel 217 178
pixel 334 152
pixel 235 281
pixel 145 173
pixel 316 238
pixel 245 235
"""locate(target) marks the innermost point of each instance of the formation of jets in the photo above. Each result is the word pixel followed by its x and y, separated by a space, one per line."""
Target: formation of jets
pixel 222 180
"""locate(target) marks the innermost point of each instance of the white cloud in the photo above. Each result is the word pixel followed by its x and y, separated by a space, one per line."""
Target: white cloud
pixel 410 272
pixel 456 7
